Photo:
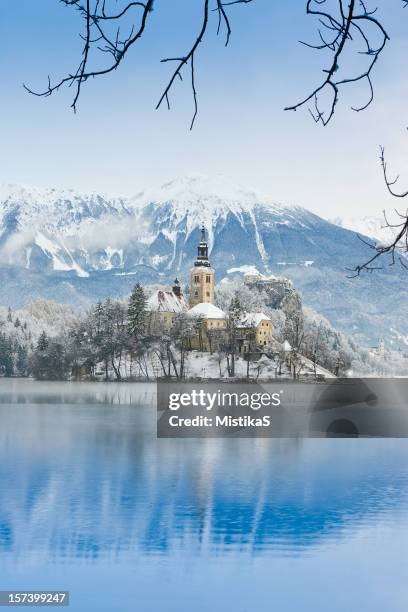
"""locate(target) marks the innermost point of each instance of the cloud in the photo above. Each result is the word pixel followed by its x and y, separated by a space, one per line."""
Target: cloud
pixel 106 232
pixel 15 245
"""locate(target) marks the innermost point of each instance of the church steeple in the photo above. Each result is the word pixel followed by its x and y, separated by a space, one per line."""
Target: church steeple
pixel 202 250
pixel 177 287
pixel 202 274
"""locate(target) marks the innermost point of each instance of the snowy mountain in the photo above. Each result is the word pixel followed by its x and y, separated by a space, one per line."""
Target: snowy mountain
pixel 57 230
pixel 373 226
pixel 63 230
pixel 77 248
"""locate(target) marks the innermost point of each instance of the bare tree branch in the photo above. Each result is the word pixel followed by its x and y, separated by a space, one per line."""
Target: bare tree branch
pixel 189 57
pixel 95 16
pixel 181 62
pixel 388 182
pixel 103 34
pixel 351 20
pixel 399 244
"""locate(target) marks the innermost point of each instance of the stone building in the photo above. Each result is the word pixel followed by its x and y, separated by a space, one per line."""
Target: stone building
pixel 254 331
pixel 277 292
pixel 163 307
pixel 209 324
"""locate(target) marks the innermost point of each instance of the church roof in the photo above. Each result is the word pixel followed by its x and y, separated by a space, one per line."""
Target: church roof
pixel 253 319
pixel 208 267
pixel 166 301
pixel 206 311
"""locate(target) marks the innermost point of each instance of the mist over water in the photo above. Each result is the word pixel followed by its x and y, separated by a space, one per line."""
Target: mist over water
pixel 92 502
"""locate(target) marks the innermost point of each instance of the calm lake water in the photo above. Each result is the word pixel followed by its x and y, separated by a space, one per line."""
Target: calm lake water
pixel 93 503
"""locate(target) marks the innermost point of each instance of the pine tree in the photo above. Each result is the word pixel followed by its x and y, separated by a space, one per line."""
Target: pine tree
pixel 6 356
pixel 9 315
pixel 42 343
pixel 22 360
pixel 137 312
pixel 57 363
pixel 49 360
pixel 235 313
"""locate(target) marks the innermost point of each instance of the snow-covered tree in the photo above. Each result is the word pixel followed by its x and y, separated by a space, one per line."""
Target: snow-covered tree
pixel 43 342
pixel 235 313
pixel 137 312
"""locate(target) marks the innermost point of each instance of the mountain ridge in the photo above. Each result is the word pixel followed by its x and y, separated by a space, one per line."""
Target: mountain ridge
pixel 77 249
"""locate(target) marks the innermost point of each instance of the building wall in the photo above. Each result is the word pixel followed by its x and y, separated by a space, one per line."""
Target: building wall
pixel 252 337
pixel 209 337
pixel 160 322
pixel 201 285
pixel 212 332
pixel 263 335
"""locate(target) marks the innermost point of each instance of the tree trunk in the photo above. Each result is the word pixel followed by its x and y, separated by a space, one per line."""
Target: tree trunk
pixel 116 369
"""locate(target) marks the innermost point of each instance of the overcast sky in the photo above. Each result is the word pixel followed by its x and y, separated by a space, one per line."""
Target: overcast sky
pixel 117 142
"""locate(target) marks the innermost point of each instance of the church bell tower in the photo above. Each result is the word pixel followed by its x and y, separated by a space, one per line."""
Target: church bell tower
pixel 202 274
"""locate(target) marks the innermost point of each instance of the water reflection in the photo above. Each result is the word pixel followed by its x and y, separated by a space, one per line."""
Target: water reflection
pixel 86 480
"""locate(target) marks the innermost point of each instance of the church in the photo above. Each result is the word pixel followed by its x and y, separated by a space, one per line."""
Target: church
pixel 210 322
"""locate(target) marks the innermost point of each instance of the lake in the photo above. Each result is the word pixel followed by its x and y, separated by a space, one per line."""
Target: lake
pixel 93 503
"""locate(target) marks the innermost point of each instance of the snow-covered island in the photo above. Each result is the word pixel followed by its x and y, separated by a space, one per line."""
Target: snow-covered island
pixel 77 248
pixel 250 326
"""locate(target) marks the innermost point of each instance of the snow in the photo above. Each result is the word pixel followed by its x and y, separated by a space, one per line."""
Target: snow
pixel 207 311
pixel 28 255
pixel 57 221
pixel 54 252
pixel 310 367
pixel 166 301
pixel 399 336
pixel 158 259
pixel 373 226
pixel 253 319
pixel 245 270
pixel 110 252
pixel 41 315
pixel 211 191
pixel 199 199
pixel 74 228
pixel 263 277
pixel 205 365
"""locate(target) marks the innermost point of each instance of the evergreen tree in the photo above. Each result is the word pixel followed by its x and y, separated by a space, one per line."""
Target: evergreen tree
pixel 22 360
pixel 49 360
pixel 42 343
pixel 39 362
pixel 137 312
pixel 57 363
pixel 9 315
pixel 6 355
pixel 235 313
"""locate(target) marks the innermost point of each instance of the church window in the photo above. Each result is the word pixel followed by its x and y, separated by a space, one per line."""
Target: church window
pixel 208 294
pixel 208 278
pixel 196 293
pixel 196 278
